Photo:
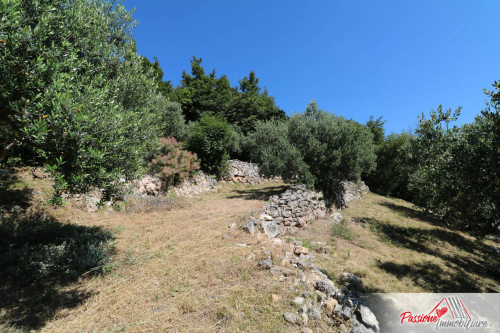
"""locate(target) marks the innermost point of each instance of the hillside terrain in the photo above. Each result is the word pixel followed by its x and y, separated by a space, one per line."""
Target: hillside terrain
pixel 184 265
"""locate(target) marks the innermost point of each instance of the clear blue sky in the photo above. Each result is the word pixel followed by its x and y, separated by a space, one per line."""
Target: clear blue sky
pixel 395 59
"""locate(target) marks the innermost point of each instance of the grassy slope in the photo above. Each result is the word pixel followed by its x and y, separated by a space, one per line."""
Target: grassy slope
pixel 173 271
pixel 395 248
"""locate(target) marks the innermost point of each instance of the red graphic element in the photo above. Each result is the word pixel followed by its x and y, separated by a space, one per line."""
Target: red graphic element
pixel 441 311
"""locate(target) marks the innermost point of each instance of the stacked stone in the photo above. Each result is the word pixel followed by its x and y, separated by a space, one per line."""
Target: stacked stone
pixel 293 208
pixel 320 299
pixel 350 191
pixel 199 184
pixel 243 172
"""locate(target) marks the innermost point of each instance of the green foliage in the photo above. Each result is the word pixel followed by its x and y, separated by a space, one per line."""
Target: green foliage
pixel 75 91
pixel 35 248
pixel 200 93
pixel 211 138
pixel 271 147
pixel 377 129
pixel 458 175
pixel 174 164
pixel 317 148
pixel 395 163
pixel 251 105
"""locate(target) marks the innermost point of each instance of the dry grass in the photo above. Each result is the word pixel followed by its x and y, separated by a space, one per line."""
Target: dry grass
pixel 395 248
pixel 173 271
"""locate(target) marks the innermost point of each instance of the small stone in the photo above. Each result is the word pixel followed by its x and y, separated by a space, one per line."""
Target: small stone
pixel 329 306
pixel 266 263
pixel 299 300
pixel 306 330
pixel 275 298
pixel 368 318
pixel 292 318
pixel 320 295
pixel 301 250
pixel 305 318
pixel 250 257
pixel 346 312
pixel 241 244
pixel 349 278
pixel 326 286
pixel 225 237
pixel 270 228
pixel 314 313
pixel 232 226
pixel 249 227
pixel 266 217
pixel 275 270
pixel 337 217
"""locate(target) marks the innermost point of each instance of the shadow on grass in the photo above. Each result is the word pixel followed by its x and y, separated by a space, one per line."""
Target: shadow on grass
pixel 259 194
pixel 433 278
pixel 9 196
pixel 413 213
pixel 41 258
pixel 463 257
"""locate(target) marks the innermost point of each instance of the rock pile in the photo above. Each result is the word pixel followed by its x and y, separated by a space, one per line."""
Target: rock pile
pixel 320 298
pixel 147 185
pixel 350 191
pixel 243 172
pixel 295 207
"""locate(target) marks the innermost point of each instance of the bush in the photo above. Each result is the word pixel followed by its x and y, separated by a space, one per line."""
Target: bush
pixel 36 247
pixel 211 138
pixel 458 173
pixel 175 164
pixel 316 148
pixel 395 163
pixel 75 96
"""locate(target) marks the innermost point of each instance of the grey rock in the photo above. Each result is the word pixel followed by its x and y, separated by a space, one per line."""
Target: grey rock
pixel 346 312
pixel 314 313
pixel 266 263
pixel 270 228
pixel 225 237
pixel 337 217
pixel 292 318
pixel 249 227
pixel 368 318
pixel 326 286
pixel 299 300
pixel 349 278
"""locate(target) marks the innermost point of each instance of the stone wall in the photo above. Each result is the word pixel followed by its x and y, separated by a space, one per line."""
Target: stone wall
pixel 348 192
pixel 243 172
pixel 201 183
pixel 295 207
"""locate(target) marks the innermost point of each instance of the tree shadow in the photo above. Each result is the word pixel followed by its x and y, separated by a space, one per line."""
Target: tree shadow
pixel 432 277
pixel 413 213
pixel 11 196
pixel 41 260
pixel 259 194
pixel 462 255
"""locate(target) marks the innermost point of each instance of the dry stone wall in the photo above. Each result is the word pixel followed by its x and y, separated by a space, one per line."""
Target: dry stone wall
pixel 350 191
pixel 294 208
pixel 243 172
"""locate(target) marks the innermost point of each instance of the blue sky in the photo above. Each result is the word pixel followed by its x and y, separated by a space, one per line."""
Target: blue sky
pixel 395 59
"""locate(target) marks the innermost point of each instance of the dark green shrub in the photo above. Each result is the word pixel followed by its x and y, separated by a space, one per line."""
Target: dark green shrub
pixel 75 95
pixel 211 138
pixel 458 172
pixel 36 247
pixel 174 164
pixel 316 148
pixel 395 163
